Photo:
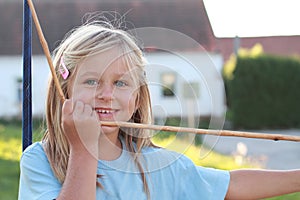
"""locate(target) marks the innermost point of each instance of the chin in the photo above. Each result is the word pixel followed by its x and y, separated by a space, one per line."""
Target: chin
pixel 109 130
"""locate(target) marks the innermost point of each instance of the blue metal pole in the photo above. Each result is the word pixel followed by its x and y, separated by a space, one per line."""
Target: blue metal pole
pixel 27 104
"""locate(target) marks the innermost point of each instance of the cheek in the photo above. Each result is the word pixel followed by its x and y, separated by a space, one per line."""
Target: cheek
pixel 83 94
pixel 129 101
pixel 132 102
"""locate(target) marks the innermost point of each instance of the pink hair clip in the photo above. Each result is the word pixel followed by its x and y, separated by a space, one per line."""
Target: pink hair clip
pixel 63 70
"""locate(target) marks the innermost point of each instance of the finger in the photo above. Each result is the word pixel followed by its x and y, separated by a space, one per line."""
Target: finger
pixel 67 107
pixel 95 115
pixel 78 107
pixel 88 109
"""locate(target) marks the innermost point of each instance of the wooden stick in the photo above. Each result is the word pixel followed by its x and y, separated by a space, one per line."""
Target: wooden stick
pixel 204 131
pixel 45 49
pixel 149 126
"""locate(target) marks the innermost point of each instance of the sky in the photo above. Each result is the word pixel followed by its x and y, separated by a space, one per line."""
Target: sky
pixel 253 18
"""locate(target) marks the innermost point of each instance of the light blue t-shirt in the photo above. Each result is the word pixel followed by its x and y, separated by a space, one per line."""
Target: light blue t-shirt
pixel 169 176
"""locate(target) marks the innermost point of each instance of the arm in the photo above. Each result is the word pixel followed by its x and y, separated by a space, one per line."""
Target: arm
pixel 257 184
pixel 82 129
pixel 80 182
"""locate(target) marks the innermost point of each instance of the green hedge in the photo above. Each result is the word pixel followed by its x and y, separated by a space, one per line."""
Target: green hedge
pixel 265 92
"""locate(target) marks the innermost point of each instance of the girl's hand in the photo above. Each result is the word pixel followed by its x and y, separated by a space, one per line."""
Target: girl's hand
pixel 81 126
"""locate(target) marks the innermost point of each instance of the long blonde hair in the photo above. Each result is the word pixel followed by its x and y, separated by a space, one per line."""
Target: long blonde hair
pixel 89 39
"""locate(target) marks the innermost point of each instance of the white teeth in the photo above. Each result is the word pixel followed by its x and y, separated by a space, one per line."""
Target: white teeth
pixel 104 111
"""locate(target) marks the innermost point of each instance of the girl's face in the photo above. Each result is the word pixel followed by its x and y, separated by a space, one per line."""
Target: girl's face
pixel 107 84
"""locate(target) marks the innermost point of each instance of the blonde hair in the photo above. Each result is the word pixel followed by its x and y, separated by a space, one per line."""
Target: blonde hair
pixel 89 39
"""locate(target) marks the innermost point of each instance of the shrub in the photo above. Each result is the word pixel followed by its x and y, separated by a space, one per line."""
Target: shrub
pixel 264 92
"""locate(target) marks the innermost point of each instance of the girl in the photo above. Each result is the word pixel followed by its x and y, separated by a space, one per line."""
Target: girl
pixel 102 76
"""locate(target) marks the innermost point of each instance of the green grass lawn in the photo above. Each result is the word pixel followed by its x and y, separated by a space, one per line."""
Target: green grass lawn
pixel 10 152
pixel 11 147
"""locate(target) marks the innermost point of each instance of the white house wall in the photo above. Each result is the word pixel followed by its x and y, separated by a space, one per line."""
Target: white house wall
pixel 10 71
pixel 189 67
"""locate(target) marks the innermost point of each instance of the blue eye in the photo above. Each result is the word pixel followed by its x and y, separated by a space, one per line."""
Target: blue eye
pixel 91 82
pixel 120 83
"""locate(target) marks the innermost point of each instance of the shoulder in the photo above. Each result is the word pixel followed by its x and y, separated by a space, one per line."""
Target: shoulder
pixel 34 155
pixel 163 159
pixel 37 180
pixel 160 158
pixel 176 169
pixel 36 149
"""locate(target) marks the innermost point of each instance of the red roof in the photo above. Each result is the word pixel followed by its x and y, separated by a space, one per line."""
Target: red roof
pixel 56 18
pixel 188 17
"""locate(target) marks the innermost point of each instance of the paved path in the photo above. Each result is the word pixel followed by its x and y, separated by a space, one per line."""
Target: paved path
pixel 272 154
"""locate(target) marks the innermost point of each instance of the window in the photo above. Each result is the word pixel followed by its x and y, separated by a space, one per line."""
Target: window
pixel 168 80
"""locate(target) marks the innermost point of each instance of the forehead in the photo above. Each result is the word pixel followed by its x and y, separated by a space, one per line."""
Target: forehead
pixel 110 60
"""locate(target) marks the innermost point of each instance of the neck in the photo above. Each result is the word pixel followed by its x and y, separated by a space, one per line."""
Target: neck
pixel 110 147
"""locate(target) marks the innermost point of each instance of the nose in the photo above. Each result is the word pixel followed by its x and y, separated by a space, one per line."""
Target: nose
pixel 105 92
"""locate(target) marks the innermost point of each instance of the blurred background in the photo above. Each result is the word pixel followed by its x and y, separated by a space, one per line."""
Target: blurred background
pixel 242 74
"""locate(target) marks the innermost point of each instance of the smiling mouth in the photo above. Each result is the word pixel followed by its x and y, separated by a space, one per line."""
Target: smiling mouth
pixel 106 114
pixel 105 111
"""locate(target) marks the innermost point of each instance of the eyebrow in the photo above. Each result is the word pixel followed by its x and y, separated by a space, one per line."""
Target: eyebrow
pixel 88 73
pixel 118 74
